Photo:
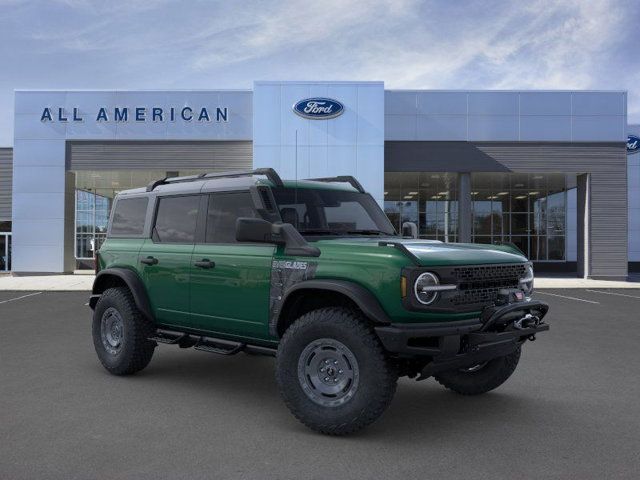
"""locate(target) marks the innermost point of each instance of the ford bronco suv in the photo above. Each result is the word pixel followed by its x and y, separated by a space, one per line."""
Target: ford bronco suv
pixel 313 273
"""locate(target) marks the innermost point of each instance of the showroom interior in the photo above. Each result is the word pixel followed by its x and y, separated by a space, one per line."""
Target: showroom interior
pixel 547 171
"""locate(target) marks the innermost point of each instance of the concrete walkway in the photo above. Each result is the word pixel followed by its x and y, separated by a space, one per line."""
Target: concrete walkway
pixel 83 281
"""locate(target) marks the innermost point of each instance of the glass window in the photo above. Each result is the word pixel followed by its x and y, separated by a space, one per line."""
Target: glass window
pixel 224 210
pixel 327 212
pixel 427 199
pixel 176 219
pixel 527 209
pixel 128 217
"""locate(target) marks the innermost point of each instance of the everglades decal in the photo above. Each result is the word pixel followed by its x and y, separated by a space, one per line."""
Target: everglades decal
pixel 288 264
pixel 284 275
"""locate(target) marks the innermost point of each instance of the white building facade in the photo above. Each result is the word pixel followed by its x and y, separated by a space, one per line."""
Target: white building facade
pixel 545 170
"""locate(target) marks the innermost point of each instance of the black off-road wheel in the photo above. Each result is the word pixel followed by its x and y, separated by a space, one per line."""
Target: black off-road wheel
pixel 333 373
pixel 121 332
pixel 480 378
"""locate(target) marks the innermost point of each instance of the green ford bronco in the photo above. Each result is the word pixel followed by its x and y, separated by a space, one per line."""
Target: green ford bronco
pixel 313 273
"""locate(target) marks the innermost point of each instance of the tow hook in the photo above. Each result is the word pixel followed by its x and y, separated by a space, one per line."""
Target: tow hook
pixel 526 322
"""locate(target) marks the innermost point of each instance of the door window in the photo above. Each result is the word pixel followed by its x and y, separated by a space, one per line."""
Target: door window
pixel 224 210
pixel 128 217
pixel 176 219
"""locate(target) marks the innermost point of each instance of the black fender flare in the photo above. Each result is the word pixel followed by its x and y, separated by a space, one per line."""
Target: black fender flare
pixel 133 282
pixel 363 298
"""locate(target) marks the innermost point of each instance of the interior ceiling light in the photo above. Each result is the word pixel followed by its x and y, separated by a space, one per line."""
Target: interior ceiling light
pixel 503 193
pixel 474 193
pixel 521 197
pixel 413 193
pixel 386 193
pixel 534 193
pixel 443 193
pixel 408 197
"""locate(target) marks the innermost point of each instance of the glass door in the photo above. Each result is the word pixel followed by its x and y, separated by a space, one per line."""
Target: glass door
pixel 5 252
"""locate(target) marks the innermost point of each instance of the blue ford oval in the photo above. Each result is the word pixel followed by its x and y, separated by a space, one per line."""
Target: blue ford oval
pixel 633 144
pixel 318 108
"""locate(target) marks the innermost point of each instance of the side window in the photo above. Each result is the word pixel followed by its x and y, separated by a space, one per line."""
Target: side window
pixel 128 216
pixel 176 219
pixel 224 209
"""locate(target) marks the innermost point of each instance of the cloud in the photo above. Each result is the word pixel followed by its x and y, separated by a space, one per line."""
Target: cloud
pixel 493 44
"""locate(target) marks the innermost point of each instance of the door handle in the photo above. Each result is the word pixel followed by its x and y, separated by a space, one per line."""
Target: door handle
pixel 205 263
pixel 149 260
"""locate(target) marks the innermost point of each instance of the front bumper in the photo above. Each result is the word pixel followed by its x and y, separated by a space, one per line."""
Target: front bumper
pixel 451 345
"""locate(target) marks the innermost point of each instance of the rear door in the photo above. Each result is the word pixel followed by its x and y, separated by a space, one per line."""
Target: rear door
pixel 230 281
pixel 165 258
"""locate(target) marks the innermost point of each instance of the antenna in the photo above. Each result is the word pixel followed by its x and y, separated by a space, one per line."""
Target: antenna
pixel 295 190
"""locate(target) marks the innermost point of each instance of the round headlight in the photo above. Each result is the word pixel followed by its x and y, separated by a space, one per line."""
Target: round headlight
pixel 423 288
pixel 526 281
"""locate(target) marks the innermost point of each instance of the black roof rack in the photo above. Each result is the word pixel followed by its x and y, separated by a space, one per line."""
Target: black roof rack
pixel 341 178
pixel 270 173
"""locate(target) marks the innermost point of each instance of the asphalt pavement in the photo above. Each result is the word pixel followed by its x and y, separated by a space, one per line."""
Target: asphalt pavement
pixel 570 410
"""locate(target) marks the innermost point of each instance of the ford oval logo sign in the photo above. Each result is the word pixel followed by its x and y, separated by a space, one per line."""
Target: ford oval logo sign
pixel 633 144
pixel 318 108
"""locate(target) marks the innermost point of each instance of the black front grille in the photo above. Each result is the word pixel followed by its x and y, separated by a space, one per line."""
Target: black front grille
pixel 480 284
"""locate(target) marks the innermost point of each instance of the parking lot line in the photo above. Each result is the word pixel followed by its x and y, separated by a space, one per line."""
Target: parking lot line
pixel 614 293
pixel 570 298
pixel 23 296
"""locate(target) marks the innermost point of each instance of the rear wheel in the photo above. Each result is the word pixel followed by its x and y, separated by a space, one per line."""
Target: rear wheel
pixel 480 378
pixel 121 332
pixel 333 373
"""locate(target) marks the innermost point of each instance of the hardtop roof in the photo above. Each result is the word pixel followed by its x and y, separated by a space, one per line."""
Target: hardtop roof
pixel 193 184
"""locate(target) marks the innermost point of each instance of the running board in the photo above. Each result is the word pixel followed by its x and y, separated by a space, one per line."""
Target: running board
pixel 203 343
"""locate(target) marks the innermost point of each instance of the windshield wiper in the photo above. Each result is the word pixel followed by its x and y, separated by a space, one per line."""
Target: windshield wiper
pixel 367 232
pixel 320 231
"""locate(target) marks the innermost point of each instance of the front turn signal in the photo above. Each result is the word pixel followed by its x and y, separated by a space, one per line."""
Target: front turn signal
pixel 403 286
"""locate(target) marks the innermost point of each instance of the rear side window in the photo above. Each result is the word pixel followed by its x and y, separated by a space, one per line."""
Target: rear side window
pixel 224 210
pixel 176 219
pixel 128 216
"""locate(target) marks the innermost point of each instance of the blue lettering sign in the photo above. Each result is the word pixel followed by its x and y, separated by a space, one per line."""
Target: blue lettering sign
pixel 204 115
pixel 102 115
pixel 46 115
pixel 156 114
pixel 185 117
pixel 633 144
pixel 121 115
pixel 141 114
pixel 221 114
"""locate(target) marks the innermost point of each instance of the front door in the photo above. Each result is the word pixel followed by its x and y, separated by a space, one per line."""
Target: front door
pixel 230 281
pixel 165 259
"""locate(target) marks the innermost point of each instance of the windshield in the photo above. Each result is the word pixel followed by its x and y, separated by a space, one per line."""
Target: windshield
pixel 331 212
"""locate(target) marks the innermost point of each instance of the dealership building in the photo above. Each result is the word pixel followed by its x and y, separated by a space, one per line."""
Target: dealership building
pixel 550 171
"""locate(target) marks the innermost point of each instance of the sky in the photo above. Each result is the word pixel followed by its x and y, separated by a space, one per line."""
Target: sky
pixel 438 44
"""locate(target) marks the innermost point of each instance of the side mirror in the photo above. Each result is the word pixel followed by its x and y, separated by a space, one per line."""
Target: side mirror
pixel 255 230
pixel 409 229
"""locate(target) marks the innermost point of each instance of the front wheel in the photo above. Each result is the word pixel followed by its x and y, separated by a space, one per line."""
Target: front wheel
pixel 333 373
pixel 480 378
